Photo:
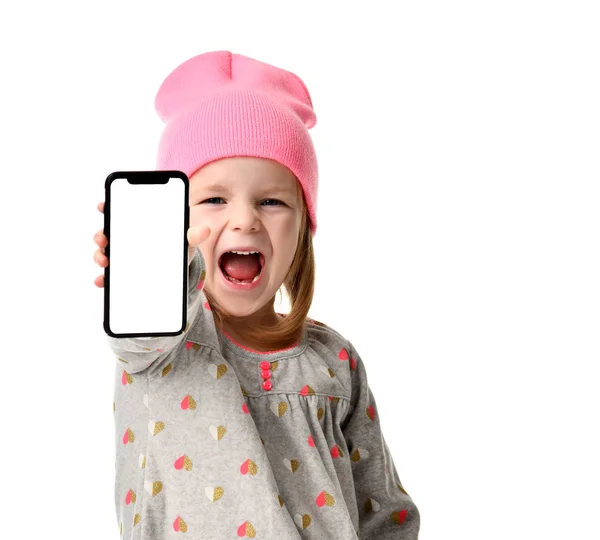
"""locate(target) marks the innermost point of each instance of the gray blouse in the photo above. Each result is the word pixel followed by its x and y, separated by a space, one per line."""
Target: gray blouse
pixel 217 441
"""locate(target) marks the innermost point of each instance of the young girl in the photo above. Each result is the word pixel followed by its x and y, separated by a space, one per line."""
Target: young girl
pixel 251 424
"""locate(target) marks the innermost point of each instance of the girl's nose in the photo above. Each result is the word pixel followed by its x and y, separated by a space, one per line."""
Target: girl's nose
pixel 244 218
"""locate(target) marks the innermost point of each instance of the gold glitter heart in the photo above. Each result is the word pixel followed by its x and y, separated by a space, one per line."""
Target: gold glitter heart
pixel 329 500
pixel 295 464
pixel 243 390
pixel 335 399
pixel 166 370
pixel 187 463
pixel 252 468
pixel 217 371
pixel 401 488
pixel 129 378
pixel 305 520
pixel 130 435
pixel 274 365
pixel 121 360
pixel 217 432
pixel 282 408
pixel 319 413
pixel 182 525
pixel 136 519
pixel 154 488
pixel 191 403
pixel 187 326
pixel 355 456
pixel 156 427
pixel 214 494
pixel 142 461
pixel 250 532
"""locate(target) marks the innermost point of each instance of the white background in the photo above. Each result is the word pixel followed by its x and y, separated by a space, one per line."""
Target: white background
pixel 457 247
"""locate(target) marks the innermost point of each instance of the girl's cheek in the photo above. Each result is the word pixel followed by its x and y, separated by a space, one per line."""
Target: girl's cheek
pixel 200 217
pixel 195 216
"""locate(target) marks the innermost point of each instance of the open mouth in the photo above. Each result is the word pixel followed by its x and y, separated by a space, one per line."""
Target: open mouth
pixel 242 267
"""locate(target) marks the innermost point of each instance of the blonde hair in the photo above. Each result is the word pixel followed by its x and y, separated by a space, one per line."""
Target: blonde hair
pixel 299 285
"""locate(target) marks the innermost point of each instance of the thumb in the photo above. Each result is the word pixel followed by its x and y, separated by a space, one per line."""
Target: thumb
pixel 197 235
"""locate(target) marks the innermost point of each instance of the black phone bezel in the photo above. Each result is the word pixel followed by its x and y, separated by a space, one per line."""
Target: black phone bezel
pixel 145 177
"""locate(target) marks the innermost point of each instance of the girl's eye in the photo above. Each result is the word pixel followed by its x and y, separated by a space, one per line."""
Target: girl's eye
pixel 212 199
pixel 276 201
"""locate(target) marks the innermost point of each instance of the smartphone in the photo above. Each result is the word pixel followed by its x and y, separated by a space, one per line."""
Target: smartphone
pixel 146 218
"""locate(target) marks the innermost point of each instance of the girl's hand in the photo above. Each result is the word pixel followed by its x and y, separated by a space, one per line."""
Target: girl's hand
pixel 99 257
pixel 195 237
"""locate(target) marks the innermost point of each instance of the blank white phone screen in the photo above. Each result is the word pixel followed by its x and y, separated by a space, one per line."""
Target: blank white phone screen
pixel 147 232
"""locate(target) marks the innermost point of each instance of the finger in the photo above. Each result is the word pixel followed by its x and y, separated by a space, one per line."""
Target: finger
pixel 197 235
pixel 101 207
pixel 99 281
pixel 100 258
pixel 100 239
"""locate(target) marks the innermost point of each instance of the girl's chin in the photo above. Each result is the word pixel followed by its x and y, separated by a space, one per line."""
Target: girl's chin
pixel 237 303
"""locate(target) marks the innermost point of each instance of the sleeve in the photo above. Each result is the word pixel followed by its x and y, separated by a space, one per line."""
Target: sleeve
pixel 137 354
pixel 386 511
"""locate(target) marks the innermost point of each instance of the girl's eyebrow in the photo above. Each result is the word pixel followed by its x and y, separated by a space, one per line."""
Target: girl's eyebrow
pixel 216 187
pixel 272 189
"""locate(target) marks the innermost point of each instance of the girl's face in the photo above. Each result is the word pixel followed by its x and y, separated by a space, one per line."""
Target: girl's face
pixel 246 202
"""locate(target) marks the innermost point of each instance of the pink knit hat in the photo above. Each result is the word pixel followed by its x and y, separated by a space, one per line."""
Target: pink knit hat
pixel 219 104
